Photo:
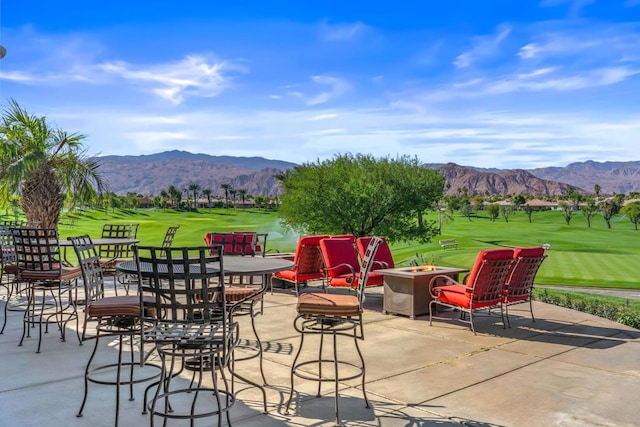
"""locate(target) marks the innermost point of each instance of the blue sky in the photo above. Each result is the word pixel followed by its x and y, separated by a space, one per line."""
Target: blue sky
pixel 488 83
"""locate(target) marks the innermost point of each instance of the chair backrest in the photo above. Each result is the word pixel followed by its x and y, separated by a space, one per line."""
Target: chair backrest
pixel 527 262
pixel 259 242
pixel 37 249
pixel 239 242
pixel 167 242
pixel 89 263
pixel 344 236
pixel 488 275
pixel 7 224
pixel 383 259
pixel 113 231
pixel 338 254
pixel 7 246
pixel 367 264
pixel 185 284
pixel 308 258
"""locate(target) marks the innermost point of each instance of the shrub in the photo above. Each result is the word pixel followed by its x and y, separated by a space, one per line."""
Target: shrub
pixel 611 308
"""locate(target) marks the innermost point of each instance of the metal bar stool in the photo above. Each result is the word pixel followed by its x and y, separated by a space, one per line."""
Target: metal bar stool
pixel 334 315
pixel 51 287
pixel 190 325
pixel 117 316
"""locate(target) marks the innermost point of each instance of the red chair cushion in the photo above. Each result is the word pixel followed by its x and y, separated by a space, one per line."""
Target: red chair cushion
pixel 337 254
pixel 456 295
pixel 486 254
pixel 383 258
pixel 531 252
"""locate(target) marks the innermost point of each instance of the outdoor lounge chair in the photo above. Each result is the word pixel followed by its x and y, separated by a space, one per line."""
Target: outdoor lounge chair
pixel 342 266
pixel 519 285
pixel 307 263
pixel 482 289
pixel 383 259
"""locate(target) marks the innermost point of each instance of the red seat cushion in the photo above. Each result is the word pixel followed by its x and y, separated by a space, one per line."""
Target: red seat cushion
pixel 456 295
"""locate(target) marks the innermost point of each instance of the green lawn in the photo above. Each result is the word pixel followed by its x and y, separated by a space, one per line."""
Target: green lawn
pixel 582 256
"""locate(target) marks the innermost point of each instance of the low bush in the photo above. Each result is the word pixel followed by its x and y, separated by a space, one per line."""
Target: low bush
pixel 612 308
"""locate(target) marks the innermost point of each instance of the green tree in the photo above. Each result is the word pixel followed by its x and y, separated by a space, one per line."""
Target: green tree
pixel 632 211
pixel 528 210
pixel 175 196
pixel 226 188
pixel 519 200
pixel 589 209
pixel 45 165
pixel 194 188
pixel 243 195
pixel 506 211
pixel 567 211
pixel 494 211
pixel 609 208
pixel 207 193
pixel 361 195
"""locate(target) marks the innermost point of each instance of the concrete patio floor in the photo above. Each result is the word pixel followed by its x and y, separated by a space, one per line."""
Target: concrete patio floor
pixel 566 369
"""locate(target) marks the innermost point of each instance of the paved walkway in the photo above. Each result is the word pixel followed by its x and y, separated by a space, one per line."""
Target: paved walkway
pixel 566 369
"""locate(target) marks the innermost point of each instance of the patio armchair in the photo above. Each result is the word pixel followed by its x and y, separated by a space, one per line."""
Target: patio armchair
pixel 383 259
pixel 341 264
pixel 308 264
pixel 482 288
pixel 332 315
pixel 519 285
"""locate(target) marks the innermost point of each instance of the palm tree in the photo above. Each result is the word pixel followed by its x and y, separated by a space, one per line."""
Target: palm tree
pixel 243 195
pixel 207 193
pixel 45 165
pixel 194 187
pixel 226 188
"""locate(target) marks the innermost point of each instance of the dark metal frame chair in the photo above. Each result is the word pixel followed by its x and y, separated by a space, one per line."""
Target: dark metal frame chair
pixel 51 287
pixel 167 241
pixel 334 315
pixel 110 255
pixel 117 316
pixel 8 269
pixel 190 327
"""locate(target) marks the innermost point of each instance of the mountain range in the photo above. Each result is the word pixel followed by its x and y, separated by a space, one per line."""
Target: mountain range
pixel 150 174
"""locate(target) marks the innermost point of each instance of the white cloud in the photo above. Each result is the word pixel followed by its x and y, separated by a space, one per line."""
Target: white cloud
pixel 342 31
pixel 193 76
pixel 483 46
pixel 337 88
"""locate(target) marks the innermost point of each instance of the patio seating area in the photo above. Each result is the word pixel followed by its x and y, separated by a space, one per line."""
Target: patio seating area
pixel 567 368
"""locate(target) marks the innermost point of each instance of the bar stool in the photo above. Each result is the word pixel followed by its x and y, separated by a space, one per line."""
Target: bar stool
pixel 333 315
pixel 118 316
pixel 189 325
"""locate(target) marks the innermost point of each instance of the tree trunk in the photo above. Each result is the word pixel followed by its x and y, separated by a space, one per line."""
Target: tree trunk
pixel 42 198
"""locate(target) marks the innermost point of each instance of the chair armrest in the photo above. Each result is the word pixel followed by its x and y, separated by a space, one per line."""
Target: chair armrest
pixel 433 290
pixel 344 264
pixel 382 264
